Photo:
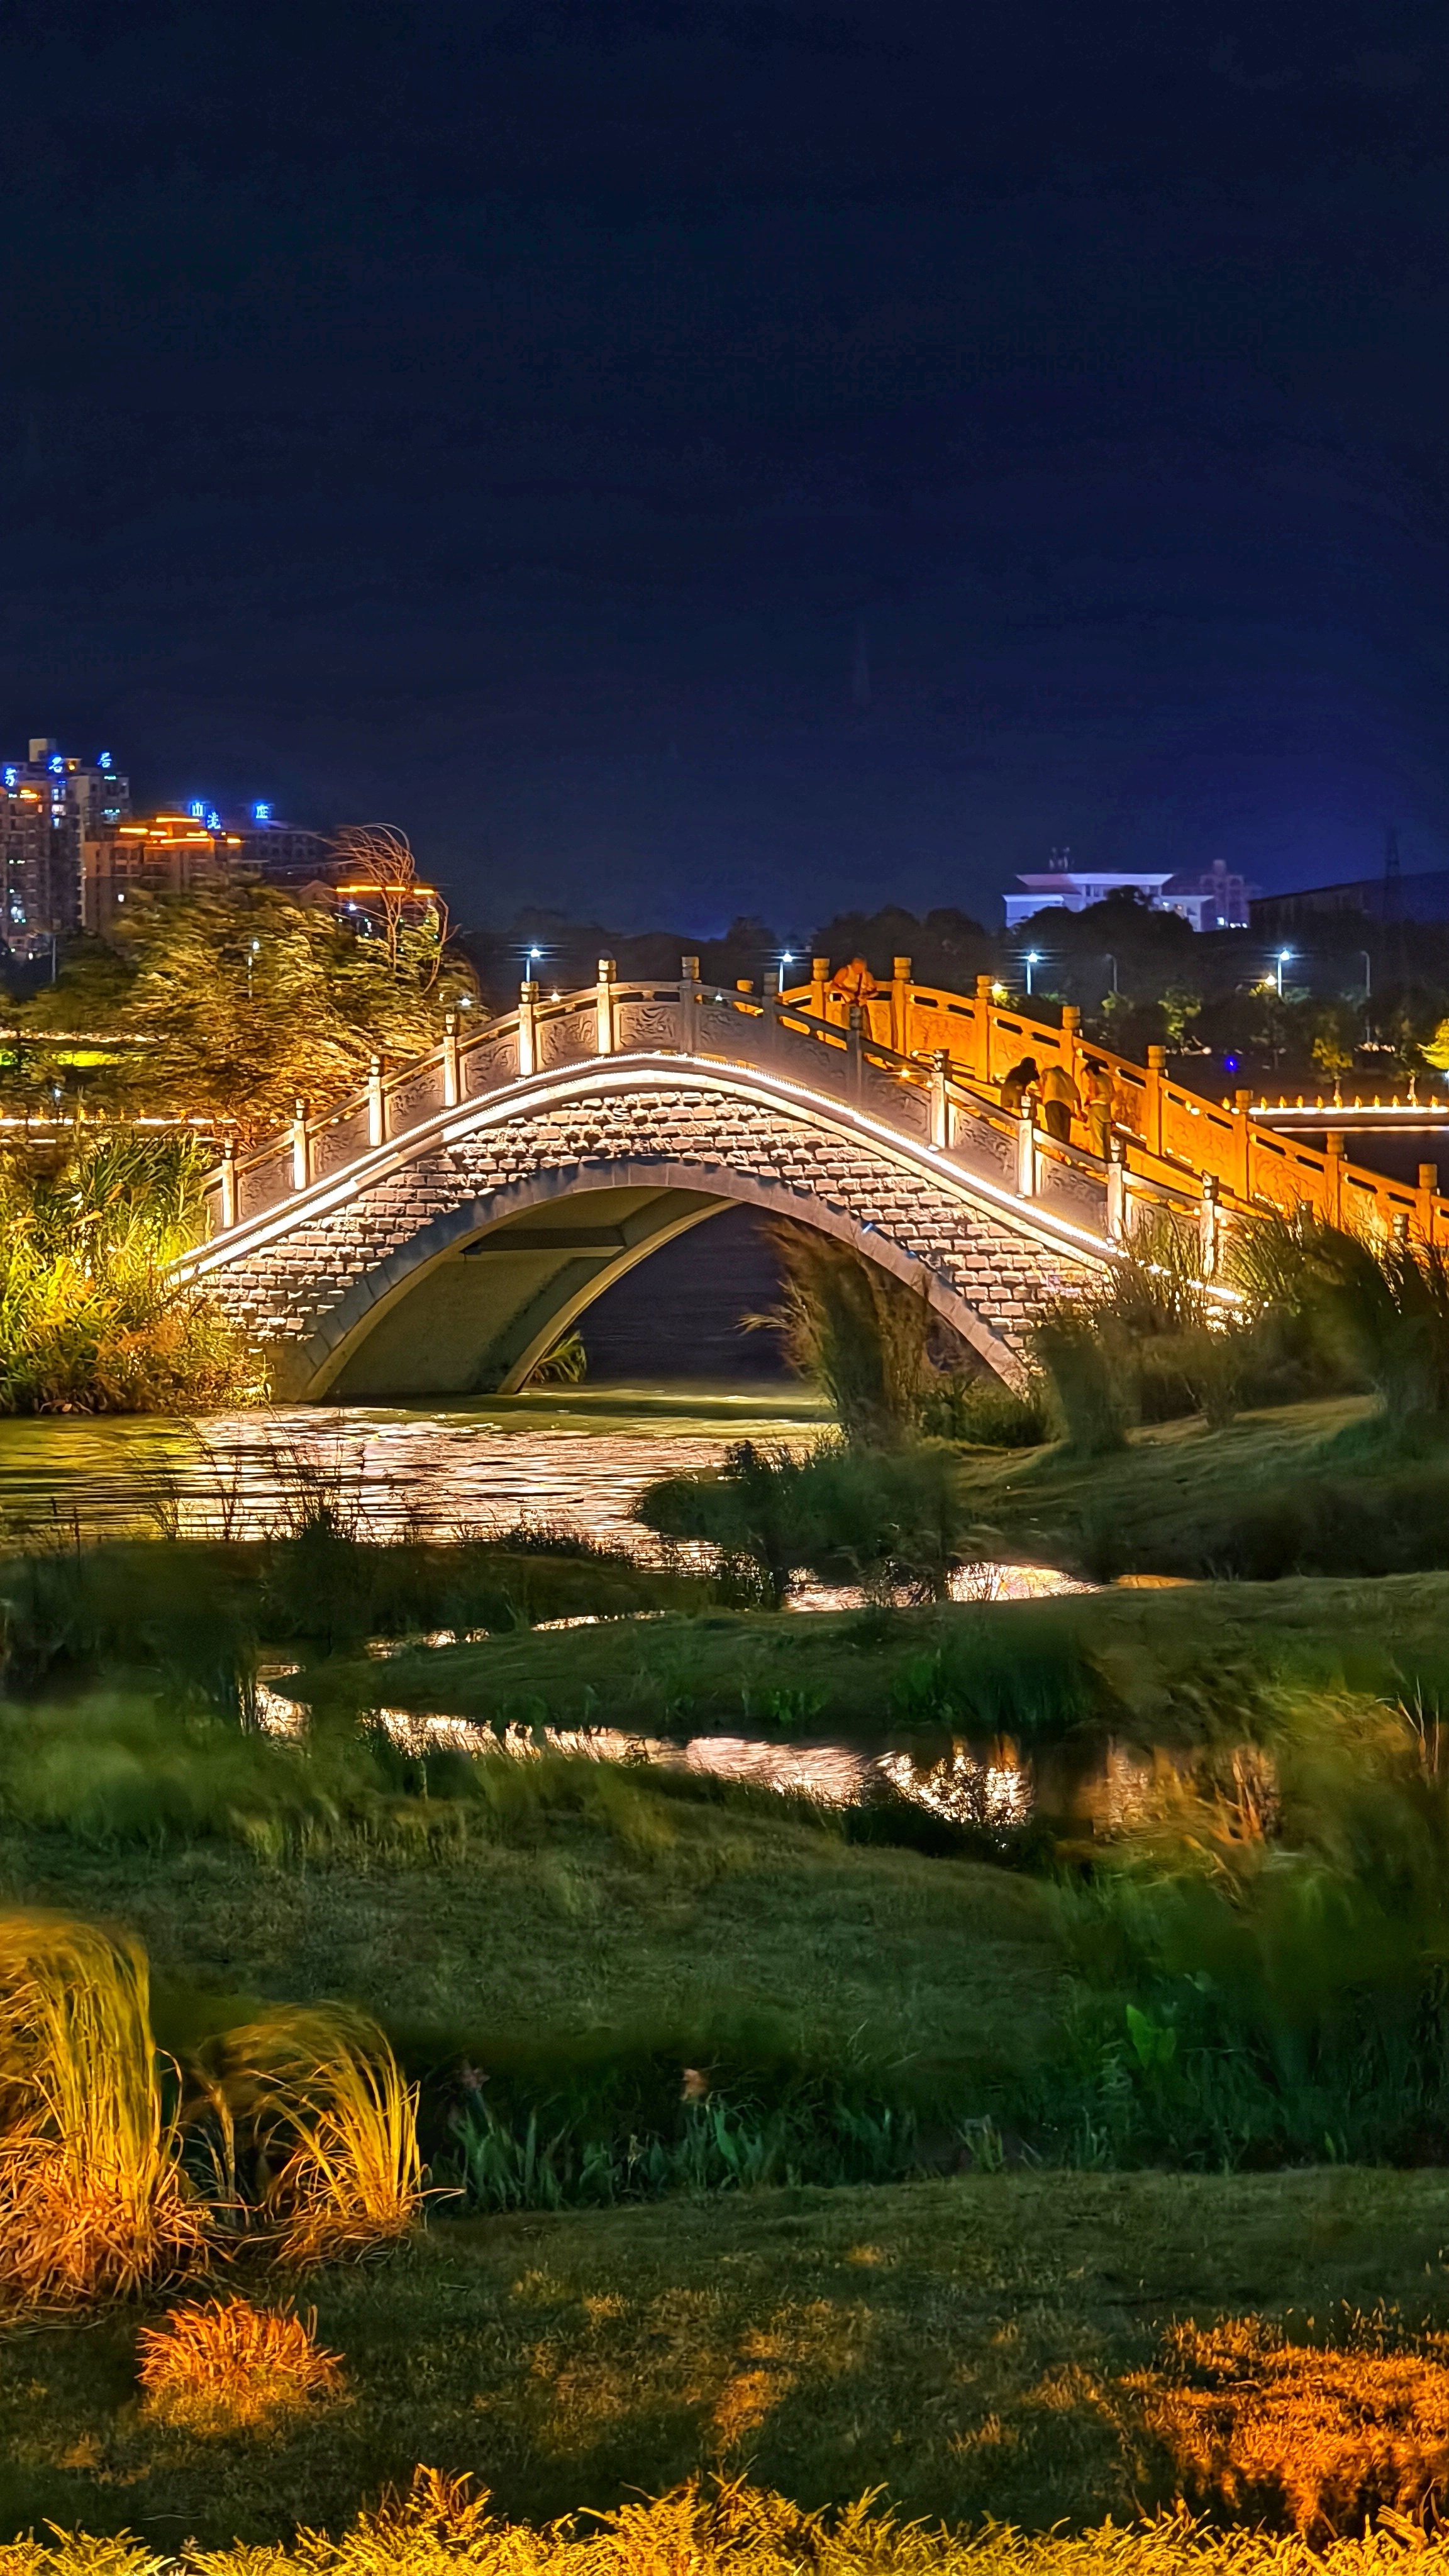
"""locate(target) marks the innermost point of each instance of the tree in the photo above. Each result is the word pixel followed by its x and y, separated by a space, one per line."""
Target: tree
pixel 384 890
pixel 240 1001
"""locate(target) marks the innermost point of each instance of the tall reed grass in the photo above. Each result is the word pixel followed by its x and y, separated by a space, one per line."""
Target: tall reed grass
pixel 333 2126
pixel 726 2527
pixel 93 2197
pixel 91 1319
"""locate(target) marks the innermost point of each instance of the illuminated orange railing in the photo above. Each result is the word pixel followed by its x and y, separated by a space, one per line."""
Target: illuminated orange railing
pixel 1172 1138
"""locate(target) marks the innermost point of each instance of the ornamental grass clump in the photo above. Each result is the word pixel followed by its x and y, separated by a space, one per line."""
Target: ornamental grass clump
pixel 1321 2437
pixel 224 2366
pixel 332 2131
pixel 93 2199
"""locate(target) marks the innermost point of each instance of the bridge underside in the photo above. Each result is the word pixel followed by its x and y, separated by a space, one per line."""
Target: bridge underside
pixel 479 1317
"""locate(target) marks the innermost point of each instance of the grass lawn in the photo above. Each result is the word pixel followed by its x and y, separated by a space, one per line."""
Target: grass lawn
pixel 683 1919
pixel 960 2344
pixel 746 1671
pixel 1304 1488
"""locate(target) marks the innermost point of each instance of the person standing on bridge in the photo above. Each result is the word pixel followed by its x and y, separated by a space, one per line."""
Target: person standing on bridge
pixel 1097 1107
pixel 1061 1102
pixel 855 982
pixel 1017 1083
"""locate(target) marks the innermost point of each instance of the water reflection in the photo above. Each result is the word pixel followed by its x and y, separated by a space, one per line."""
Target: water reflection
pixel 574 1459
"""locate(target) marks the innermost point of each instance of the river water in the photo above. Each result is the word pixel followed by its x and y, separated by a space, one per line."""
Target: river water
pixel 567 1458
pixel 571 1459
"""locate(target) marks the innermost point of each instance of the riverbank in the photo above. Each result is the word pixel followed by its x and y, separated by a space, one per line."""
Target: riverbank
pixel 1122 1657
pixel 1303 1489
pixel 964 2346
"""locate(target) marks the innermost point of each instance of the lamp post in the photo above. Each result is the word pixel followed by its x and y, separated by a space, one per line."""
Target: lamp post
pixel 1112 962
pixel 254 950
pixel 1368 975
pixel 1283 956
pixel 1033 958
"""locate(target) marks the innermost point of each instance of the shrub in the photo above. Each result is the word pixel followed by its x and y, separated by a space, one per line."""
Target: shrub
pixel 224 2366
pixel 1321 2436
pixel 891 1520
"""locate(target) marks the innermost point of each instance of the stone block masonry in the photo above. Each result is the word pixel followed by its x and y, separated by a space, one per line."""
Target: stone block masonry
pixel 308 1283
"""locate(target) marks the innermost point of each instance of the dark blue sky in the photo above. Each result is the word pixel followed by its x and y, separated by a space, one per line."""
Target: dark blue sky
pixel 679 460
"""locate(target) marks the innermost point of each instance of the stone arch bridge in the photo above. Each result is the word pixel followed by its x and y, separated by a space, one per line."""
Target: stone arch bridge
pixel 438 1233
pixel 441 1232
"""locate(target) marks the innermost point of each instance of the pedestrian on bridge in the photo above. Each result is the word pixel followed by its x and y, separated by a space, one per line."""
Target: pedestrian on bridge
pixel 1061 1102
pixel 1097 1107
pixel 1017 1083
pixel 855 982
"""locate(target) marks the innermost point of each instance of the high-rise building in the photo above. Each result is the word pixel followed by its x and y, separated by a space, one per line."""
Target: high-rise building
pixel 169 854
pixel 50 804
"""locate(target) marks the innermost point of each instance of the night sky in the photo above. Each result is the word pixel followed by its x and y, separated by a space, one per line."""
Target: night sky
pixel 682 460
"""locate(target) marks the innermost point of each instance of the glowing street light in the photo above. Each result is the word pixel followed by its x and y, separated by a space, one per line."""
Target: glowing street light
pixel 1283 956
pixel 1033 958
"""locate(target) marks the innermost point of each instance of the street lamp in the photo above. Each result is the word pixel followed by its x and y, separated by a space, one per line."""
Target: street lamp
pixel 1112 962
pixel 1033 958
pixel 253 953
pixel 1368 975
pixel 1283 956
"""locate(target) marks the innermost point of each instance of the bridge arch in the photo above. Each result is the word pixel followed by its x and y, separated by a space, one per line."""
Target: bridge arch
pixel 448 1260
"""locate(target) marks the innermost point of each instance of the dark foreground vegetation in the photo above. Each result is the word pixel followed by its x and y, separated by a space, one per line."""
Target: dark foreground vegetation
pixel 1053 2127
pixel 972 2348
pixel 884 2145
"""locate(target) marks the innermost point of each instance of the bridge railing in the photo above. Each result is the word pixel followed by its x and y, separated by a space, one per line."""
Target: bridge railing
pixel 1173 1139
pixel 927 1062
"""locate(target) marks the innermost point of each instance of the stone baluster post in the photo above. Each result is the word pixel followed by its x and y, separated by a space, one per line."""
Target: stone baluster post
pixel 901 1005
pixel 1152 1100
pixel 607 972
pixel 1117 1191
pixel 940 1098
pixel 1242 1103
pixel 819 980
pixel 376 1103
pixel 228 1183
pixel 301 1155
pixel 1209 1222
pixel 983 1028
pixel 1333 1145
pixel 855 1024
pixel 452 1068
pixel 527 1028
pixel 1026 1150
pixel 689 1006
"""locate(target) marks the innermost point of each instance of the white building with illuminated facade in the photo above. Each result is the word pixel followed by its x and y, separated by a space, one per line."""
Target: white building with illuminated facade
pixel 1216 900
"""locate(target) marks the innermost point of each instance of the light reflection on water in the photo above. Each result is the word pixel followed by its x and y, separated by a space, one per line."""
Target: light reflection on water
pixel 958 1785
pixel 571 1458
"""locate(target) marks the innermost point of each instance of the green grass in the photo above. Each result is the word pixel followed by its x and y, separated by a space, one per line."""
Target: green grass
pixel 1156 1656
pixel 684 1918
pixel 1306 1488
pixel 959 2344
